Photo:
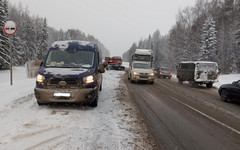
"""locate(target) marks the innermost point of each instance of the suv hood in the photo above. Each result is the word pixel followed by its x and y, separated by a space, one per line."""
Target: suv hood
pixel 226 85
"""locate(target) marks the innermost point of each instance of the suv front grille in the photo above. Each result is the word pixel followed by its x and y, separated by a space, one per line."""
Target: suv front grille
pixel 143 75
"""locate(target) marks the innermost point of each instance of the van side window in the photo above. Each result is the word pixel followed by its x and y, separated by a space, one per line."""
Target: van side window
pixel 180 66
pixel 184 66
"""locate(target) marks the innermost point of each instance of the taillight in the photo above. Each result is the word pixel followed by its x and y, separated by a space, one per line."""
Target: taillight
pixel 217 75
pixel 170 73
pixel 160 72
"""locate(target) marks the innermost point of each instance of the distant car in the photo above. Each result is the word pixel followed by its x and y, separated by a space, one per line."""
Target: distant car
pixel 114 66
pixel 229 92
pixel 164 73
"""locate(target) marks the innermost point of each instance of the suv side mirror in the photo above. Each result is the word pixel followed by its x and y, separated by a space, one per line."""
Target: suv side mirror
pixel 101 68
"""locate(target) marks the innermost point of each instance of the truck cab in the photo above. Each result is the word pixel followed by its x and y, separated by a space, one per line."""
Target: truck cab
pixel 143 55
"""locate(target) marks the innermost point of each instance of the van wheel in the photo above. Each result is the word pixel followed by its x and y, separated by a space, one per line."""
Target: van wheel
pixel 100 89
pixel 180 81
pixel 209 85
pixel 94 103
pixel 192 83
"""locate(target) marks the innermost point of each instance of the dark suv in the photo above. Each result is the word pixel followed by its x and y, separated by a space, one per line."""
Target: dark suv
pixel 229 92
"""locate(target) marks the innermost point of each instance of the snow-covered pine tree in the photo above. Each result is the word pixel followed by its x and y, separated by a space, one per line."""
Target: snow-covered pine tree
pixel 29 39
pixel 132 51
pixel 18 51
pixel 238 24
pixel 186 50
pixel 4 43
pixel 237 36
pixel 61 35
pixel 209 41
pixel 229 58
pixel 157 48
pixel 43 41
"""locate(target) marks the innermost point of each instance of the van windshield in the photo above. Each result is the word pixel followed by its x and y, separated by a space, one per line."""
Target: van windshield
pixel 70 59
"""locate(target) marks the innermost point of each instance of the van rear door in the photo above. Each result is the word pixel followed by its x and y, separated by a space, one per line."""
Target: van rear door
pixel 205 71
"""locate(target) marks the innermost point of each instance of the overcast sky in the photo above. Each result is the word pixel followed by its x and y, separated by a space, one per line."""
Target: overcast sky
pixel 116 23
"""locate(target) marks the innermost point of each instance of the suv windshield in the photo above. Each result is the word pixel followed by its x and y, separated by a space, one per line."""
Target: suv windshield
pixel 141 65
pixel 70 59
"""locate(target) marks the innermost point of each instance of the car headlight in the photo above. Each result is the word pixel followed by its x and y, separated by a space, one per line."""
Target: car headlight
pixel 134 73
pixel 88 79
pixel 40 78
pixel 151 74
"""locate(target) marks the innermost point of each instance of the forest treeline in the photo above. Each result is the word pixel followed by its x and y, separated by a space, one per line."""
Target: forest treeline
pixel 33 36
pixel 209 31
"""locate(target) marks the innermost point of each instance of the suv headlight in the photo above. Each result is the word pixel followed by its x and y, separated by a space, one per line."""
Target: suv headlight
pixel 88 79
pixel 134 73
pixel 151 74
pixel 40 78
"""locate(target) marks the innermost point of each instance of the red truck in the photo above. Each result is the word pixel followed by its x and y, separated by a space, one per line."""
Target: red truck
pixel 115 59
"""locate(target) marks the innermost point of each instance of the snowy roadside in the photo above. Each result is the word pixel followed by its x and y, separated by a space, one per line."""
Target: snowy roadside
pixel 22 86
pixel 114 124
pixel 226 79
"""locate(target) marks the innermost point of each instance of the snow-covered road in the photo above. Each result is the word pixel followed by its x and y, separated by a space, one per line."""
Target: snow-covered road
pixel 115 124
